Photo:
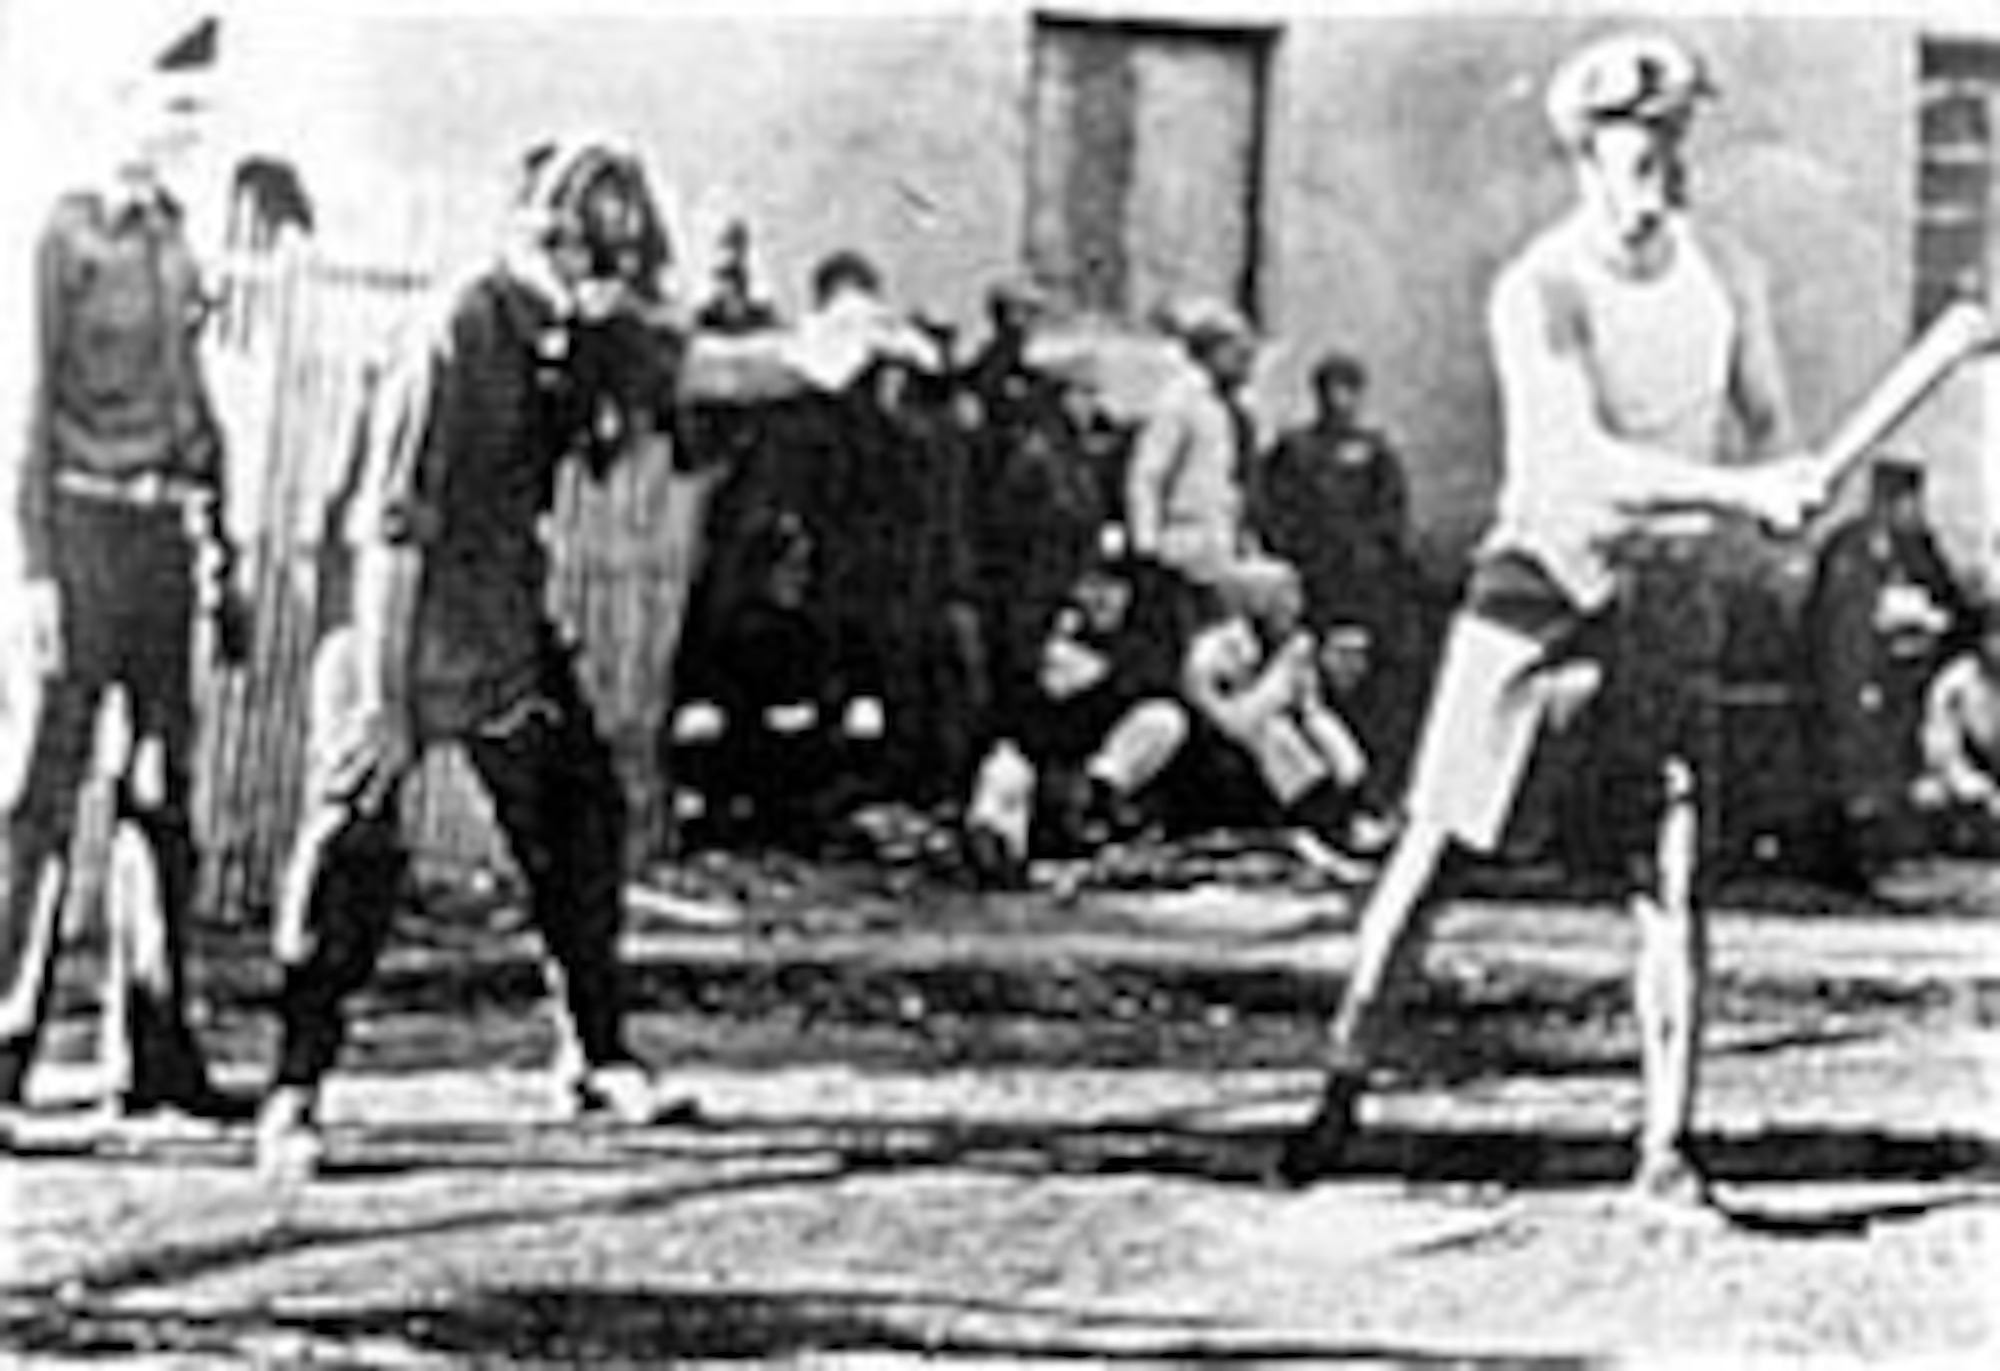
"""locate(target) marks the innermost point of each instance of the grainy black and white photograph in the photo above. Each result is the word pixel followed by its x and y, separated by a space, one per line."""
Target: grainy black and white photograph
pixel 1159 682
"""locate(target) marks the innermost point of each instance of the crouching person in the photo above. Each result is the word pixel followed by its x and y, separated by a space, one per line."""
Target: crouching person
pixel 1958 788
pixel 772 735
pixel 449 642
pixel 1254 680
pixel 1103 725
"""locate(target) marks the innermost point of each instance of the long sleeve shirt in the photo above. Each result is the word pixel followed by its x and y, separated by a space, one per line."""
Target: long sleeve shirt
pixel 117 390
pixel 1184 498
pixel 459 463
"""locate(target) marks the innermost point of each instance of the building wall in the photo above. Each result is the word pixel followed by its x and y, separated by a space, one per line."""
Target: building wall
pixel 1405 160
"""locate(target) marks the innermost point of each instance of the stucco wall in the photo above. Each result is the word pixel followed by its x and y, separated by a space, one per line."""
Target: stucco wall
pixel 1406 159
pixel 1410 161
pixel 901 136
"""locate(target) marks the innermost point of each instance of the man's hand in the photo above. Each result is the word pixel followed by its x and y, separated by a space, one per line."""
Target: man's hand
pixel 1783 494
pixel 41 626
pixel 370 755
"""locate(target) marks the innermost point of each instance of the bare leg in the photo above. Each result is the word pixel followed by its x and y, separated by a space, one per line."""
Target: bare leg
pixel 1667 993
pixel 1395 925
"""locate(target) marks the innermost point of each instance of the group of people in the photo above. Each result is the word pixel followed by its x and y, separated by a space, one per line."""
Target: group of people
pixel 1904 669
pixel 965 585
pixel 1083 614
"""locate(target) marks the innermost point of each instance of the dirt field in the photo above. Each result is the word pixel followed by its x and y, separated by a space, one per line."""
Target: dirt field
pixel 1025 1128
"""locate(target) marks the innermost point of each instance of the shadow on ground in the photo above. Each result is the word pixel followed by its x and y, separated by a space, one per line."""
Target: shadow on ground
pixel 585 1326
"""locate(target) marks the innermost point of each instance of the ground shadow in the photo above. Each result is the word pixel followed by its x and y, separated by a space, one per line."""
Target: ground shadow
pixel 584 1325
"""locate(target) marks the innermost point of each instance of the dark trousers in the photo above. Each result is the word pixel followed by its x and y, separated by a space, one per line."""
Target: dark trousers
pixel 1663 644
pixel 126 580
pixel 556 798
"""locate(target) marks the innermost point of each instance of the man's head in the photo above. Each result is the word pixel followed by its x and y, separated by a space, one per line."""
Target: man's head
pixel 1896 492
pixel 1267 592
pixel 1014 307
pixel 1338 380
pixel 161 115
pixel 583 207
pixel 1103 597
pixel 1346 654
pixel 1217 337
pixel 844 273
pixel 1621 109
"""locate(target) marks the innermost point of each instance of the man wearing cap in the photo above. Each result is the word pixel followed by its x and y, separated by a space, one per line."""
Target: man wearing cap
pixel 118 502
pixel 1184 491
pixel 1884 611
pixel 1627 343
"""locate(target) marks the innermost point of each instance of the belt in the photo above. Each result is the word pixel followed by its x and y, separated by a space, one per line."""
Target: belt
pixel 142 490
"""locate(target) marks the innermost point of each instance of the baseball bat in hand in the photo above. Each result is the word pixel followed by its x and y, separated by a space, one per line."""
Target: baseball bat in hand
pixel 1962 331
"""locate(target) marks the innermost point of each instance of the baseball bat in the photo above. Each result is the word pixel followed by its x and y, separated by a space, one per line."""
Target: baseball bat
pixel 1963 330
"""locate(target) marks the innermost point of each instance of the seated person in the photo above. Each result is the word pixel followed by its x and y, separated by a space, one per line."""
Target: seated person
pixel 1102 726
pixel 1959 783
pixel 1254 681
pixel 774 734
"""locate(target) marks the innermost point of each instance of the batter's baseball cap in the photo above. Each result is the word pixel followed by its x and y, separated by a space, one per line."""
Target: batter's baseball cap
pixel 1644 78
pixel 1203 322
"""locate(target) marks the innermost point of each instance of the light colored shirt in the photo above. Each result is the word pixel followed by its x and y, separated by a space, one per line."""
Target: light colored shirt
pixel 1183 489
pixel 1961 731
pixel 1609 382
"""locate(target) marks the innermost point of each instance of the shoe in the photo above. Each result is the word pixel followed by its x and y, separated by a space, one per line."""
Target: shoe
pixel 290 1148
pixel 993 864
pixel 1671 1184
pixel 204 1103
pixel 1319 1149
pixel 627 1093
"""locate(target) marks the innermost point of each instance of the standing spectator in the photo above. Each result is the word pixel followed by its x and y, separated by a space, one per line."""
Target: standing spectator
pixel 1333 501
pixel 119 510
pixel 1882 612
pixel 1184 489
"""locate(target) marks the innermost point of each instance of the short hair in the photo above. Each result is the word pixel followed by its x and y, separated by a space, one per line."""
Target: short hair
pixel 844 268
pixel 1339 368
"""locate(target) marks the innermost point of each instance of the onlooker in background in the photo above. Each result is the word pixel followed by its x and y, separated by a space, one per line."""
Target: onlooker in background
pixel 999 375
pixel 762 746
pixel 1332 499
pixel 1334 502
pixel 851 485
pixel 1958 788
pixel 1254 679
pixel 120 518
pixel 1882 612
pixel 1043 509
pixel 1185 501
pixel 1104 725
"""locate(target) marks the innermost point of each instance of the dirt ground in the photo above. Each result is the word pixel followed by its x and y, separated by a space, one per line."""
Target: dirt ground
pixel 1035 1128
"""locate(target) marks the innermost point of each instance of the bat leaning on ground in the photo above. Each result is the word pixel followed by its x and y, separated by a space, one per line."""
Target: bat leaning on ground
pixel 1961 332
